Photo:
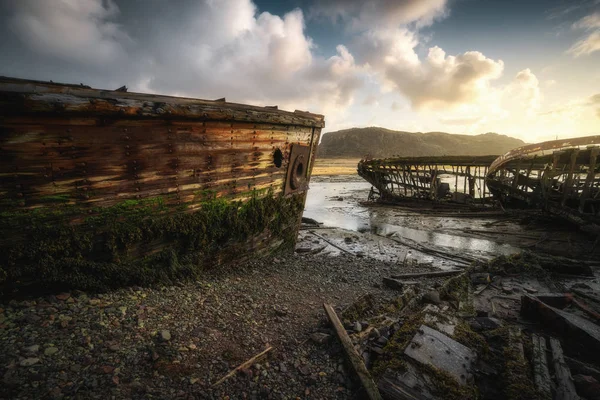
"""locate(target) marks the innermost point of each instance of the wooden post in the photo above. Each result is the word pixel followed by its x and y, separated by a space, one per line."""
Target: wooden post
pixel 540 367
pixel 355 359
pixel 565 387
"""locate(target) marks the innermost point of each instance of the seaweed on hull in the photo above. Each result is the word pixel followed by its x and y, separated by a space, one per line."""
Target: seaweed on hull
pixel 138 242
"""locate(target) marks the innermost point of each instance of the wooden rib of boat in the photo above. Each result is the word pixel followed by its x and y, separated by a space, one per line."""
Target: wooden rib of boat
pixel 559 176
pixel 102 188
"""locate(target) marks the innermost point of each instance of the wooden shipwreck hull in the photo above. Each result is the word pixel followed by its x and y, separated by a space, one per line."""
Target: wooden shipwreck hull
pixel 559 176
pixel 107 188
pixel 459 179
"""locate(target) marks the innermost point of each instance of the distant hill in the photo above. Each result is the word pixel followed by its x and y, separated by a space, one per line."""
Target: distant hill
pixel 380 142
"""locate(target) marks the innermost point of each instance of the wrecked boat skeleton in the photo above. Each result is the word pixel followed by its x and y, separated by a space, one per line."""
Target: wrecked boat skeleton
pixel 460 179
pixel 559 176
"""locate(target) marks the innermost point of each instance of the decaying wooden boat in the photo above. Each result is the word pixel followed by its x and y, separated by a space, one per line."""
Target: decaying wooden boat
pixel 457 179
pixel 559 176
pixel 102 188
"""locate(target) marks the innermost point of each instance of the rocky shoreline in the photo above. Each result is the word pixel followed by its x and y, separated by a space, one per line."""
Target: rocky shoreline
pixel 175 342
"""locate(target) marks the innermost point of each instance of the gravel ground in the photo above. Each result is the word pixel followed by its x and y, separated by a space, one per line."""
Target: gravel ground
pixel 176 341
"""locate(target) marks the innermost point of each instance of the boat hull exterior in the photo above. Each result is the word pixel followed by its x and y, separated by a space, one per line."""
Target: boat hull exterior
pixel 102 189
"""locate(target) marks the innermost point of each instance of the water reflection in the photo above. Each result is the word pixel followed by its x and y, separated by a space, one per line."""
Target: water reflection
pixel 335 204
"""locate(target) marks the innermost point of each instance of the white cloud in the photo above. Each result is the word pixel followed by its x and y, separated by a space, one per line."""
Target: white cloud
pixel 438 81
pixel 209 49
pixel 591 42
pixel 361 15
pixel 81 31
pixel 526 89
pixel 587 45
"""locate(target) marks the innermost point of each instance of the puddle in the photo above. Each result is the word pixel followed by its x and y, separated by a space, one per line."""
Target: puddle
pixel 335 204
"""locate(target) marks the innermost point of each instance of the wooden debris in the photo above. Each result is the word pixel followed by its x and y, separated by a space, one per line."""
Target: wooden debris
pixel 429 274
pixel 392 389
pixel 244 365
pixel 331 243
pixel 397 284
pixel 355 359
pixel 566 388
pixel 582 368
pixel 540 367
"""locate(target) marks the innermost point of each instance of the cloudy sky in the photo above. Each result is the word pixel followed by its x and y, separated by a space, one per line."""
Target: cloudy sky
pixel 530 69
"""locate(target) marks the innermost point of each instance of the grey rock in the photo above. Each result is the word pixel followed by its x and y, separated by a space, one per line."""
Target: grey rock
pixel 357 326
pixel 320 338
pixel 32 349
pixel 50 351
pixel 165 335
pixel 432 297
pixel 28 362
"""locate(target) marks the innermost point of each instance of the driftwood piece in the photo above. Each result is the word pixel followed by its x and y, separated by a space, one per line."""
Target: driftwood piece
pixel 355 359
pixel 393 389
pixel 244 365
pixel 465 260
pixel 565 389
pixel 333 244
pixel 429 274
pixel 582 368
pixel 541 374
pixel 397 284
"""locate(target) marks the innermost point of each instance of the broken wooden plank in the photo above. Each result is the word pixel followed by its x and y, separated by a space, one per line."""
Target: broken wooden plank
pixel 331 243
pixel 581 335
pixel 579 367
pixel 393 389
pixel 428 274
pixel 244 365
pixel 540 367
pixel 565 389
pixel 355 359
pixel 397 284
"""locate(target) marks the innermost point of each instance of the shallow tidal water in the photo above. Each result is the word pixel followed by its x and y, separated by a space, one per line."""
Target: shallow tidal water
pixel 334 201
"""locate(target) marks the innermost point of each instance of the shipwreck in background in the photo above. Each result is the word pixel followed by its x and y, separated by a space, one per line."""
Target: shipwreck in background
pixel 459 179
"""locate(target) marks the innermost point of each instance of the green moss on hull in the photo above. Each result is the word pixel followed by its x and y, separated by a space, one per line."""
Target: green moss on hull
pixel 140 242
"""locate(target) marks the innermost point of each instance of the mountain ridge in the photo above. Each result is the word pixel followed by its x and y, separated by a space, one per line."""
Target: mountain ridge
pixel 380 142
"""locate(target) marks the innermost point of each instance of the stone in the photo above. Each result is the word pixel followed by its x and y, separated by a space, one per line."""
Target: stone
pixel 165 335
pixel 357 327
pixel 32 349
pixel 28 362
pixel 63 296
pixel 320 338
pixel 431 347
pixel 282 367
pixel 50 351
pixel 530 290
pixel 432 297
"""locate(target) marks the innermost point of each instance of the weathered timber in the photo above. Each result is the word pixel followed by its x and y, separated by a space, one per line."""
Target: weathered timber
pixel 354 358
pixel 541 374
pixel 333 244
pixel 428 274
pixel 428 178
pixel 581 335
pixel 393 389
pixel 246 364
pixel 102 188
pixel 565 388
pixel 559 176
